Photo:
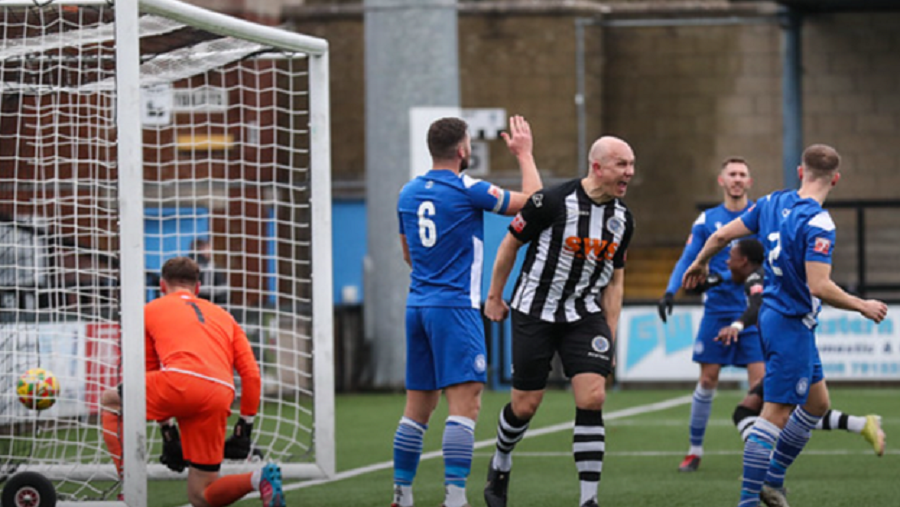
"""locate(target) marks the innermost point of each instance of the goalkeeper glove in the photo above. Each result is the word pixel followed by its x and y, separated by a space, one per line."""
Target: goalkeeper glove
pixel 665 304
pixel 238 444
pixel 171 454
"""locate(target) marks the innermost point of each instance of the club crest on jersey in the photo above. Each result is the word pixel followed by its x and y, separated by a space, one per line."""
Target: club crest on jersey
pixel 429 184
pixel 538 200
pixel 480 363
pixel 823 246
pixel 616 225
pixel 518 223
pixel 802 386
pixel 600 344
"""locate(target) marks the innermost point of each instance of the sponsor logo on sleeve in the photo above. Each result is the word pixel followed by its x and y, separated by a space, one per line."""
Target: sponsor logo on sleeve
pixel 690 238
pixel 756 289
pixel 518 223
pixel 823 246
pixel 495 191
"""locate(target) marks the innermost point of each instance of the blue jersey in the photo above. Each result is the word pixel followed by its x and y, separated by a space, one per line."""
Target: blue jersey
pixel 442 216
pixel 794 231
pixel 726 297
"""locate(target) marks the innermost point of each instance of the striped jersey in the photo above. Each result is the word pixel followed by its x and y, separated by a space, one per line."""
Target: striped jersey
pixel 442 216
pixel 574 246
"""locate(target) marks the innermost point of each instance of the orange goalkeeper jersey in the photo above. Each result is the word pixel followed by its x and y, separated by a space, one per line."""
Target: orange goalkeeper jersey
pixel 190 335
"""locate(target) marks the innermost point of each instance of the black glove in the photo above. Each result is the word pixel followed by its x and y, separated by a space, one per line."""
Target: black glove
pixel 712 279
pixel 665 304
pixel 238 444
pixel 171 454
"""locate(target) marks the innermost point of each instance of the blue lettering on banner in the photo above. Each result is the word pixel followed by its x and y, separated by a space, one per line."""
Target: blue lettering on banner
pixel 851 325
pixel 874 369
pixel 679 333
pixel 833 368
pixel 646 333
pixel 643 337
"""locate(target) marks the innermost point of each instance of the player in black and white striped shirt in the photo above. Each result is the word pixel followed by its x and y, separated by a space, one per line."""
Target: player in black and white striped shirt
pixel 567 301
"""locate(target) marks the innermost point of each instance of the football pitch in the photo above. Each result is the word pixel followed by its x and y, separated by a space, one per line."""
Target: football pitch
pixel 646 440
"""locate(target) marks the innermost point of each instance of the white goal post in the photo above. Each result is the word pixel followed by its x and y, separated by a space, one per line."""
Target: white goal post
pixel 130 133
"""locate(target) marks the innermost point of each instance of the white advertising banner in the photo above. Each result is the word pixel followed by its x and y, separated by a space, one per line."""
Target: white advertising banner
pixel 83 357
pixel 851 347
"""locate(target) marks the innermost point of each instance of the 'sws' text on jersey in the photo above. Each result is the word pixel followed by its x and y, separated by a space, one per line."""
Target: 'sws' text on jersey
pixel 726 297
pixel 442 216
pixel 794 231
pixel 575 244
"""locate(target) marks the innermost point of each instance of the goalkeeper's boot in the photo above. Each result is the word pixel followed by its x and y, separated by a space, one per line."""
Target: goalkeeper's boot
pixel 496 487
pixel 873 433
pixel 270 486
pixel 690 463
pixel 774 497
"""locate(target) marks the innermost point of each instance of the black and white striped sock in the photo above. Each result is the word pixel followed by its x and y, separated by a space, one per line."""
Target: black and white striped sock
pixel 588 446
pixel 510 430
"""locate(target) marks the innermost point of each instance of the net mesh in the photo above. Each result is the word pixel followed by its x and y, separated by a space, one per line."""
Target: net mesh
pixel 226 173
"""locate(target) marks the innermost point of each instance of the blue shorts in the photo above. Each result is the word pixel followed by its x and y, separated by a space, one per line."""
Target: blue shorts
pixel 444 346
pixel 748 348
pixel 792 359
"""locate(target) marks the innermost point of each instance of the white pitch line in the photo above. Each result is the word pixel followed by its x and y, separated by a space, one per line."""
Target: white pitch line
pixel 612 416
pixel 618 414
pixel 654 454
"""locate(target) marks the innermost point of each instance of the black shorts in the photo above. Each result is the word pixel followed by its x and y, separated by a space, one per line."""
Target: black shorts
pixel 584 346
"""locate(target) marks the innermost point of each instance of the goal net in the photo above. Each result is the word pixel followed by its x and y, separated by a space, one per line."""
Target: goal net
pixel 232 151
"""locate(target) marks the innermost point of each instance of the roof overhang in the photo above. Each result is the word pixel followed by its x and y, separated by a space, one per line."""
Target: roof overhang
pixel 835 5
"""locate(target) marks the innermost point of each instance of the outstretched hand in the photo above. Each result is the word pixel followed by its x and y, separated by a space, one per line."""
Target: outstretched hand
pixel 518 139
pixel 695 275
pixel 874 310
pixel 728 335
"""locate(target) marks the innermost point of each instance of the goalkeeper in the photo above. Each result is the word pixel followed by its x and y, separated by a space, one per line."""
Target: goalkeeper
pixel 745 264
pixel 192 348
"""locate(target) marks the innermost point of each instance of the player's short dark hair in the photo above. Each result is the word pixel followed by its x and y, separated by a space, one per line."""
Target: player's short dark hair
pixel 752 249
pixel 181 271
pixel 444 136
pixel 734 160
pixel 821 159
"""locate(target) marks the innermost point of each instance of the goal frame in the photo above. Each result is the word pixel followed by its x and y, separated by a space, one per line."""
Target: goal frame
pixel 131 219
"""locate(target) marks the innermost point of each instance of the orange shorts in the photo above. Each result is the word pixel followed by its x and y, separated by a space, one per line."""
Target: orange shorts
pixel 201 407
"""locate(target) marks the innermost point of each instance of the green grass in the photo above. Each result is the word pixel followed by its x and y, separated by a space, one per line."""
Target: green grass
pixel 643 453
pixel 640 467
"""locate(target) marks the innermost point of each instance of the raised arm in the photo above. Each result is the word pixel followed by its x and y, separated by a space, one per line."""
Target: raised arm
pixel 698 271
pixel 520 143
pixel 818 277
pixel 495 307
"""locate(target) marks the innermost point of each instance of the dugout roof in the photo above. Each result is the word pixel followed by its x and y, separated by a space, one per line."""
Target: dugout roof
pixel 835 5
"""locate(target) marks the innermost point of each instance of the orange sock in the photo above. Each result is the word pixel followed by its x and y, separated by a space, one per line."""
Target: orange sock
pixel 227 489
pixel 111 435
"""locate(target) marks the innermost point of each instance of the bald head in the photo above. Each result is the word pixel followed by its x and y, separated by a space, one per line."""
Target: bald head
pixel 608 146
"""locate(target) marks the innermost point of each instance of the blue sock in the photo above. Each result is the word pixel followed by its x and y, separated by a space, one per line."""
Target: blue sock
pixel 757 451
pixel 407 450
pixel 458 444
pixel 793 439
pixel 700 409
